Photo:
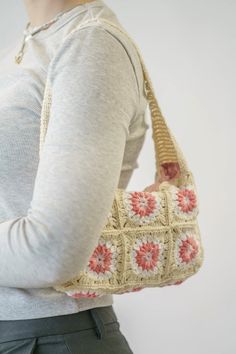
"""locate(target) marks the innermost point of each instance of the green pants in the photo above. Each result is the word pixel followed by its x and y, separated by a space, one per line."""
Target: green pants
pixel 94 331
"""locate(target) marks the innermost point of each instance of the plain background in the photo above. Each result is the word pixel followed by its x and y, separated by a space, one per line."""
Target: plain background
pixel 189 48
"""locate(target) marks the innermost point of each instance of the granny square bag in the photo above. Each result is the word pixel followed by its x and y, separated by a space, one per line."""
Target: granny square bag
pixel 150 239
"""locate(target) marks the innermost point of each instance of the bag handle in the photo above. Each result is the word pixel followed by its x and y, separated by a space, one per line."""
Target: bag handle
pixel 166 147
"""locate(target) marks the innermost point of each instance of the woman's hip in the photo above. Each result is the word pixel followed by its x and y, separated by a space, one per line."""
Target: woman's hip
pixel 92 331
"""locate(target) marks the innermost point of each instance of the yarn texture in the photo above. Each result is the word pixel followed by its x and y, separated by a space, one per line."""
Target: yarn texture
pixel 150 239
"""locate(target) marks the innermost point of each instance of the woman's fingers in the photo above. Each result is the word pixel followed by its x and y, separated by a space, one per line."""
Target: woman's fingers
pixel 153 187
pixel 169 172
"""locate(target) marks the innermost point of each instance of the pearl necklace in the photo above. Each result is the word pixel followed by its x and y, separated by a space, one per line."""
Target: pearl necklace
pixel 28 34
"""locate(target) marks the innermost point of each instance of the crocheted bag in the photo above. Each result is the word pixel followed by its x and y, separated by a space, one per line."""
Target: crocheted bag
pixel 150 239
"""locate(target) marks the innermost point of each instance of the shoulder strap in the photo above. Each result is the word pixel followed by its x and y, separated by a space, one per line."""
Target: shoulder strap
pixel 166 147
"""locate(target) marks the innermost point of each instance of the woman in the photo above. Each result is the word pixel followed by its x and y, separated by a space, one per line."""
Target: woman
pixel 54 209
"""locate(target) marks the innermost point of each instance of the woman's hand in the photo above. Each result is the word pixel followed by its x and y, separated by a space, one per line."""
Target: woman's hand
pixel 153 187
pixel 169 172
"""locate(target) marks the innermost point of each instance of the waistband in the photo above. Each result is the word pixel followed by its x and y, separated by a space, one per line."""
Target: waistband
pixel 97 318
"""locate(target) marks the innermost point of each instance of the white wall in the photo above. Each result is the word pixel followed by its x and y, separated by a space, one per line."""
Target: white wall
pixel 190 50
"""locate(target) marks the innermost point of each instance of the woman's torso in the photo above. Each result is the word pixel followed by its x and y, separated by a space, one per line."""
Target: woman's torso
pixel 21 94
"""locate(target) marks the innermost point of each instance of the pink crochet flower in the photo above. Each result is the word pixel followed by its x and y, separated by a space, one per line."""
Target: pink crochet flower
pixel 137 289
pixel 101 259
pixel 131 290
pixel 142 207
pixel 102 263
pixel 82 294
pixel 187 200
pixel 188 249
pixel 177 282
pixel 147 256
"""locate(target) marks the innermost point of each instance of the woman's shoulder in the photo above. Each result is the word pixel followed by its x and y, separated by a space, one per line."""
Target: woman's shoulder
pixel 102 38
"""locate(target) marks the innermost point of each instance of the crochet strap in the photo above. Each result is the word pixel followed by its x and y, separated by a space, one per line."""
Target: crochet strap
pixel 166 147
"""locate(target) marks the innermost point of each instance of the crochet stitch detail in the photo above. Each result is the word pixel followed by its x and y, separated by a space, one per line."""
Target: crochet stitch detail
pixel 151 239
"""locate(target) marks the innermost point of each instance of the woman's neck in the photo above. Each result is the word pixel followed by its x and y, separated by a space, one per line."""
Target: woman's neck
pixel 42 11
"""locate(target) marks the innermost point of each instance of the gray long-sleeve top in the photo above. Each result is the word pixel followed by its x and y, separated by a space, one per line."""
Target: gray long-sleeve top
pixel 53 210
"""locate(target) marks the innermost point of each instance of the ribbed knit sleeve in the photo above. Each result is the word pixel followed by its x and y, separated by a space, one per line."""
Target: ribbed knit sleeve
pixel 95 96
